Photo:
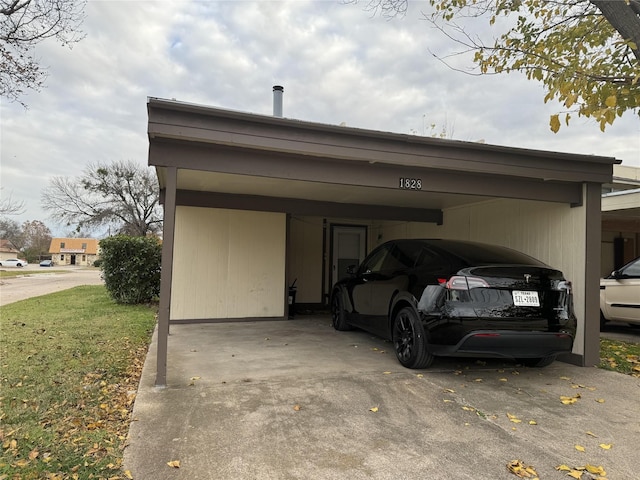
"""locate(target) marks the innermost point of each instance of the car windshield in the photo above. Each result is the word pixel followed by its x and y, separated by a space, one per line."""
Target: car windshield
pixel 477 254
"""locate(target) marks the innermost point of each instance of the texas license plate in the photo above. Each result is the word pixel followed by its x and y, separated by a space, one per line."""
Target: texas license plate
pixel 525 298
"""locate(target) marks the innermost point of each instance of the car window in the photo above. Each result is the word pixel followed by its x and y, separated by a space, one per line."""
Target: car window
pixel 402 256
pixel 373 263
pixel 632 270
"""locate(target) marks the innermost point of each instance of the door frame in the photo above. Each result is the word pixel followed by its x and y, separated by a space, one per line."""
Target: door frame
pixel 333 227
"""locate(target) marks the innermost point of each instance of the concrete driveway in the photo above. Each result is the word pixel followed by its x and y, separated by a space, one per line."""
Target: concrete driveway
pixel 30 284
pixel 297 400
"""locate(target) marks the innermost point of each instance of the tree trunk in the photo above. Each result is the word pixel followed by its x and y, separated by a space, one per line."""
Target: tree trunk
pixel 624 16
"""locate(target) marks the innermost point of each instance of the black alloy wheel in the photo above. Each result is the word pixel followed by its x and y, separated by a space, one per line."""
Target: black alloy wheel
pixel 409 340
pixel 338 315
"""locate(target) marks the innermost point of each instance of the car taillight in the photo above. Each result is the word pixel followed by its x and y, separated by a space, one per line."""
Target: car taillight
pixel 459 282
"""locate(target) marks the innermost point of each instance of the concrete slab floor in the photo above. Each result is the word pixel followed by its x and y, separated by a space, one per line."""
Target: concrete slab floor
pixel 297 400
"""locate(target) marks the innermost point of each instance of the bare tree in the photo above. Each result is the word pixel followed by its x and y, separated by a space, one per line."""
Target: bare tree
pixel 8 206
pixel 123 196
pixel 11 231
pixel 24 24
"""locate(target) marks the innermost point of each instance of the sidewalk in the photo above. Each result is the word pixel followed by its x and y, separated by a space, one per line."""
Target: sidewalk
pixel 297 400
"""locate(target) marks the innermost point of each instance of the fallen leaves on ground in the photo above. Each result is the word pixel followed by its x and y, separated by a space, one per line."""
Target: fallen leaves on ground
pixel 570 400
pixel 373 409
pixel 577 472
pixel 174 463
pixel 518 468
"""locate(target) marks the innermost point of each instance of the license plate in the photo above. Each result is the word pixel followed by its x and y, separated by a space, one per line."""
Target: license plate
pixel 525 298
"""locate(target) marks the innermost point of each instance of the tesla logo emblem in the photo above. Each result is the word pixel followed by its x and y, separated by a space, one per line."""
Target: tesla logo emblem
pixel 527 277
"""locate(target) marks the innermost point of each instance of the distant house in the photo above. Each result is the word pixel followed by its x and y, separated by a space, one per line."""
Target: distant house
pixel 7 250
pixel 74 251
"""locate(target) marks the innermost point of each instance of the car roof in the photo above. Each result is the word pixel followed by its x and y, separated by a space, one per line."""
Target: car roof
pixel 473 253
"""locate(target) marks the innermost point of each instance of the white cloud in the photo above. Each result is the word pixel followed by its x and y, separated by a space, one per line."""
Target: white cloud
pixel 336 62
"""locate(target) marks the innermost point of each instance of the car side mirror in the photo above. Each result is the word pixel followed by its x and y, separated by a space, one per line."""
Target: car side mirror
pixel 617 274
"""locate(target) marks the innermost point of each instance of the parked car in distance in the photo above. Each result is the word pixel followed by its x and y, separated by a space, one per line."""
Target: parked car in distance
pixel 13 262
pixel 620 295
pixel 46 263
pixel 454 298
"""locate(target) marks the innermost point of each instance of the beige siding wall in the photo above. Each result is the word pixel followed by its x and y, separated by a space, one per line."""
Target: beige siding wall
pixel 553 233
pixel 228 264
pixel 305 258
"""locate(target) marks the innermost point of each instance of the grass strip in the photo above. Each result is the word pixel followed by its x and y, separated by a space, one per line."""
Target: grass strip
pixel 622 357
pixel 70 364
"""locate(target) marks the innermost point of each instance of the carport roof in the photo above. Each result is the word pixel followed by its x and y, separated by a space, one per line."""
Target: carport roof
pixel 230 158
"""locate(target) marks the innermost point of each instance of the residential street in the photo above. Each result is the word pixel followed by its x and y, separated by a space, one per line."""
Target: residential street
pixel 13 289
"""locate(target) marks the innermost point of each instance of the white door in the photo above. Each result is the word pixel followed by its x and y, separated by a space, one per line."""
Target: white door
pixel 348 247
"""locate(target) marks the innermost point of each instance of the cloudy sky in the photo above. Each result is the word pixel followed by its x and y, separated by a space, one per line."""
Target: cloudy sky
pixel 336 62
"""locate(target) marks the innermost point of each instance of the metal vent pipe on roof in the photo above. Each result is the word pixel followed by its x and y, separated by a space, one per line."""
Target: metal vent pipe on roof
pixel 278 90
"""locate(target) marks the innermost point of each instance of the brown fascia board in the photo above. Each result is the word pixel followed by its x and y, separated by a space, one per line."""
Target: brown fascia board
pixel 178 121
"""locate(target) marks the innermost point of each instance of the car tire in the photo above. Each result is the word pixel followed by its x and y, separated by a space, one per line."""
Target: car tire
pixel 539 362
pixel 409 340
pixel 338 313
pixel 603 321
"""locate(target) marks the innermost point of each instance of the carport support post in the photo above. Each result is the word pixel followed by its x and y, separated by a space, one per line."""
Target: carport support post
pixel 593 238
pixel 164 313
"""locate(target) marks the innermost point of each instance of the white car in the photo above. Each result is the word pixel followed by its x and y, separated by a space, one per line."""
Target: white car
pixel 620 295
pixel 13 262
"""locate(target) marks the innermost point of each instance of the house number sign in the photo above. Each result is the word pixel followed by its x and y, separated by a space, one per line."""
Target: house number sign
pixel 410 183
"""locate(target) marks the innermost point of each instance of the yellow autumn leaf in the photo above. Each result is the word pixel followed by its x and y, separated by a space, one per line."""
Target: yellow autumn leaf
pixel 386 373
pixel 575 474
pixel 518 468
pixel 419 375
pixel 600 400
pixel 174 463
pixel 591 434
pixel 127 473
pixel 503 380
pixel 297 408
pixel 595 470
pixel 580 448
pixel 33 454
pixel 554 123
pixel 611 101
pixel 469 409
pixel 532 422
pixel 563 468
pixel 448 390
pixel 513 418
pixel 606 446
pixel 373 409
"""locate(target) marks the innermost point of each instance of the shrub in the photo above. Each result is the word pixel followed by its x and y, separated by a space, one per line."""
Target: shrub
pixel 97 263
pixel 131 268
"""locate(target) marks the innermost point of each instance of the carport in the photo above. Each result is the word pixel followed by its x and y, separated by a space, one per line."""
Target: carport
pixel 253 203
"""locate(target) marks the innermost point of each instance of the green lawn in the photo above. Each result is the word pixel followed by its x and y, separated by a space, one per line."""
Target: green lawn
pixel 623 357
pixel 69 369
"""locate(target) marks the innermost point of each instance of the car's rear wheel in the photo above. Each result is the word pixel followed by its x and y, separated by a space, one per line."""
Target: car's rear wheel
pixel 538 362
pixel 338 314
pixel 409 340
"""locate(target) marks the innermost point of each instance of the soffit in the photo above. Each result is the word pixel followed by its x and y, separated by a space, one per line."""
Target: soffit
pixel 319 191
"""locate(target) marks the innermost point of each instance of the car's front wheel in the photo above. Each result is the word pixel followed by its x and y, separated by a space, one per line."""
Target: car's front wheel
pixel 409 340
pixel 338 314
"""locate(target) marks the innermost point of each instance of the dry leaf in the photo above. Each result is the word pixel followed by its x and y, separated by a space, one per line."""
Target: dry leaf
pixel 127 473
pixel 513 418
pixel 503 380
pixel 532 422
pixel 521 470
pixel 591 434
pixel 606 446
pixel 386 373
pixel 569 400
pixel 297 408
pixel 448 390
pixel 580 448
pixel 373 409
pixel 563 468
pixel 600 400
pixel 174 463
pixel 595 470
pixel 575 474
